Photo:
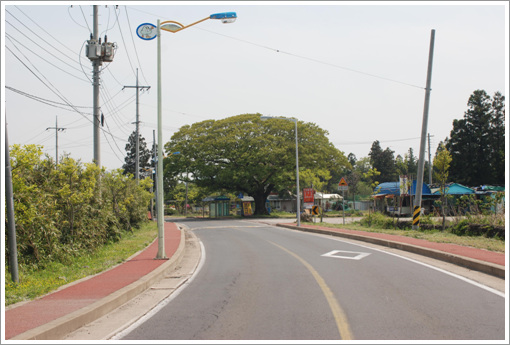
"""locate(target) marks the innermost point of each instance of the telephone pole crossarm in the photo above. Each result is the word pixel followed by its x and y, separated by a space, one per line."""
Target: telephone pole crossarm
pixel 137 145
pixel 57 129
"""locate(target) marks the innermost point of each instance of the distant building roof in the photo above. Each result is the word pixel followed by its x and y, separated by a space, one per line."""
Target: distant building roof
pixel 393 188
pixel 327 196
pixel 216 198
pixel 456 189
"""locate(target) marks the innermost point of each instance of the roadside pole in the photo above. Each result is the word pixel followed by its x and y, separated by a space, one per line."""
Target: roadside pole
pixel 13 248
pixel 343 186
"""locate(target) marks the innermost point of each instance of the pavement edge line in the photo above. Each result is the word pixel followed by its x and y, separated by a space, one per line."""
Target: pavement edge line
pixel 59 328
pixel 474 264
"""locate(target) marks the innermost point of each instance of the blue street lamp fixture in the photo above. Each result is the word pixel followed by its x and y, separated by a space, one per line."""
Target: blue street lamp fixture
pixel 149 31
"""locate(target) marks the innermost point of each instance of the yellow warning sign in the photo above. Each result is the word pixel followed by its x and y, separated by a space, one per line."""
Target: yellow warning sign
pixel 343 182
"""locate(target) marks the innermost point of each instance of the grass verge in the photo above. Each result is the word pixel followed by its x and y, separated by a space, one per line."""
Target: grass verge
pixel 481 242
pixel 33 284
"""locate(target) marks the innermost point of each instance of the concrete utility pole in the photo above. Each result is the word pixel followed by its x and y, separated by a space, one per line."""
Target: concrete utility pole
pixel 12 245
pixel 97 53
pixel 137 146
pixel 56 128
pixel 421 162
pixel 155 155
pixel 95 82
pixel 430 164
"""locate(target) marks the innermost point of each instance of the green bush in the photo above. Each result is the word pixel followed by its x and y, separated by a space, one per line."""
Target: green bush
pixel 65 211
pixel 377 220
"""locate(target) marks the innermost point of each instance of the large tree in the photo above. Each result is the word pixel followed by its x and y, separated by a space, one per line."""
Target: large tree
pixel 245 154
pixel 145 155
pixel 477 142
pixel 383 161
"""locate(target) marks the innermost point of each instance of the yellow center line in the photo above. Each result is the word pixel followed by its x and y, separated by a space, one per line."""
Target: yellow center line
pixel 338 313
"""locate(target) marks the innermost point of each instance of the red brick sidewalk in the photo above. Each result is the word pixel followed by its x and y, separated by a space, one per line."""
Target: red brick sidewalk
pixel 474 253
pixel 79 295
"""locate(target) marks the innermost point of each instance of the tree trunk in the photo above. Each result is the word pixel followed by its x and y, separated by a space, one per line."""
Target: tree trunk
pixel 260 203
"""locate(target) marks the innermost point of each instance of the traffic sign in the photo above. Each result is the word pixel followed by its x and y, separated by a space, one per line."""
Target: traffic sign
pixel 308 195
pixel 343 182
pixel 315 210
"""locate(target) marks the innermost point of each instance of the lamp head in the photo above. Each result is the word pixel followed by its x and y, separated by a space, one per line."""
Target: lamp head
pixel 226 17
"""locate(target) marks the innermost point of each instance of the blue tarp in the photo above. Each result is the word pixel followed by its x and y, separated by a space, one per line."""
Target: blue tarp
pixel 393 188
pixel 457 189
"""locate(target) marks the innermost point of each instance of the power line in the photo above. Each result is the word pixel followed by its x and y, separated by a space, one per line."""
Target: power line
pixel 43 100
pixel 40 38
pixel 57 67
pixel 40 47
pixel 47 33
pixel 85 19
pixel 123 41
pixel 310 59
pixel 134 45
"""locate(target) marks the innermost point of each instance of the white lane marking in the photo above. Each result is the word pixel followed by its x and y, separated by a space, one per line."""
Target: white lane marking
pixel 125 331
pixel 467 280
pixel 344 254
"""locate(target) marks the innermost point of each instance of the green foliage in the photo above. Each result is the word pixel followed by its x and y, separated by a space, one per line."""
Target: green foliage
pixel 145 155
pixel 383 161
pixel 245 154
pixel 377 220
pixel 477 142
pixel 37 281
pixel 71 209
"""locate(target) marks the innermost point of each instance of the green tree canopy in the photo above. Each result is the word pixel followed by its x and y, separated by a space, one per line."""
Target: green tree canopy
pixel 145 155
pixel 383 162
pixel 245 154
pixel 477 142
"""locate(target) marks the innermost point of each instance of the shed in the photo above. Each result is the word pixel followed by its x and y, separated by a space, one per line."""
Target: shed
pixel 456 189
pixel 403 206
pixel 219 206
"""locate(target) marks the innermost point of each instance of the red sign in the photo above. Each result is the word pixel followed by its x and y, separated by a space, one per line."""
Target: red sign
pixel 342 182
pixel 308 194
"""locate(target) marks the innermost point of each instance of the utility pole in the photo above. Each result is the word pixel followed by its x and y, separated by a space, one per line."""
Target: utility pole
pixel 13 247
pixel 430 164
pixel 155 169
pixel 421 162
pixel 97 53
pixel 137 146
pixel 56 128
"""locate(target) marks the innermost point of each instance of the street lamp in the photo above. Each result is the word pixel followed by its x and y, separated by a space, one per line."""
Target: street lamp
pixel 298 208
pixel 148 31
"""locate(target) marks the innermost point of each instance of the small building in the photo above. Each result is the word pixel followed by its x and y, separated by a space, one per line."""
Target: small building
pixel 453 191
pixel 286 203
pixel 326 201
pixel 244 205
pixel 387 199
pixel 219 206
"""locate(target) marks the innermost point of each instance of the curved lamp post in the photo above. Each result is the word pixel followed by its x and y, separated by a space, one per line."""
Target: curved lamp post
pixel 298 201
pixel 171 26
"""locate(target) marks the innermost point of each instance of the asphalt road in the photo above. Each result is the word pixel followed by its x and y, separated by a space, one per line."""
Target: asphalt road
pixel 260 282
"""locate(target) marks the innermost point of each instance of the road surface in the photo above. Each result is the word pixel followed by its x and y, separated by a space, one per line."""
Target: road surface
pixel 260 282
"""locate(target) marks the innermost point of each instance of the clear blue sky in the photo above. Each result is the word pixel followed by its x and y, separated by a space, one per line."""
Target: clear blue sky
pixel 355 69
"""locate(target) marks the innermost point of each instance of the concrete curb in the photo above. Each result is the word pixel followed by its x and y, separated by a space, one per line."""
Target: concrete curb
pixel 59 328
pixel 474 264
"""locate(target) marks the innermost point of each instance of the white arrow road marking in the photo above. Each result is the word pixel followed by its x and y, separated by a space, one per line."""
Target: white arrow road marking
pixel 343 254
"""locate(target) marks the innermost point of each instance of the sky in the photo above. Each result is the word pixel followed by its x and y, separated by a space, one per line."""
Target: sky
pixel 356 69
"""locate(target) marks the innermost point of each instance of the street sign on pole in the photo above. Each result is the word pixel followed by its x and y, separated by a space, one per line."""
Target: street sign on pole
pixel 342 185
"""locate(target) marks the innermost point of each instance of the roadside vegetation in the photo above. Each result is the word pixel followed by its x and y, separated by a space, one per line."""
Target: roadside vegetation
pixel 489 233
pixel 36 282
pixel 66 215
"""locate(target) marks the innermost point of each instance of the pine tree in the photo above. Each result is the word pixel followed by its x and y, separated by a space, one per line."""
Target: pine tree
pixel 145 155
pixel 477 142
